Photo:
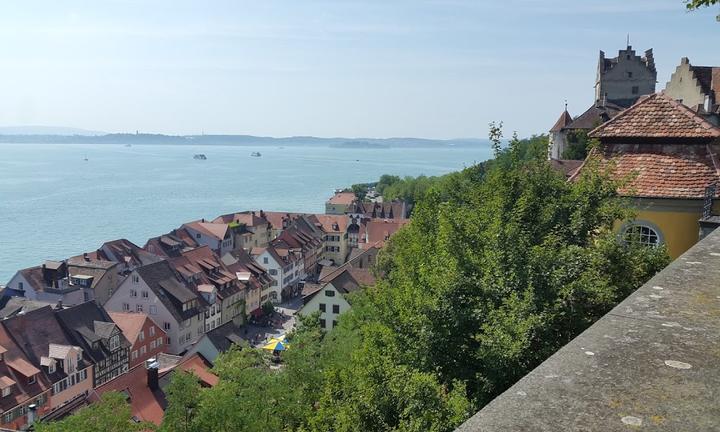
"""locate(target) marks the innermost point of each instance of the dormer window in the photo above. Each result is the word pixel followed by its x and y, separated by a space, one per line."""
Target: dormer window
pixel 31 379
pixel 6 391
pixel 51 367
pixel 114 343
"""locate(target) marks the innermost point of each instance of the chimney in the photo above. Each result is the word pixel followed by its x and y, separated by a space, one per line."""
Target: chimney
pixel 86 257
pixel 153 378
pixel 59 305
pixel 31 414
pixel 203 220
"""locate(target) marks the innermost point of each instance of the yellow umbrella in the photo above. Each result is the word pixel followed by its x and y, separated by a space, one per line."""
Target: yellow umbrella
pixel 275 345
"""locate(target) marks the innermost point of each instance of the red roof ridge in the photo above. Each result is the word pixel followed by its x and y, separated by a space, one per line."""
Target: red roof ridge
pixel 713 131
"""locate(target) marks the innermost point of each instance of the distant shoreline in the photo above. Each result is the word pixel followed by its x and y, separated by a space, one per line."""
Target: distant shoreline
pixel 236 140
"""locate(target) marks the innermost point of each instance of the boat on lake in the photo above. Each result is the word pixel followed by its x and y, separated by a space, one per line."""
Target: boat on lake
pixel 200 156
pixel 255 154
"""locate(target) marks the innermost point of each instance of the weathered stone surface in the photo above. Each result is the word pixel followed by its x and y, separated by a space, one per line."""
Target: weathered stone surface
pixel 652 363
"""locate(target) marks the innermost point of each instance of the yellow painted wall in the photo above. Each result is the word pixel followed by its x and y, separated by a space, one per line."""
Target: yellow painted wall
pixel 679 229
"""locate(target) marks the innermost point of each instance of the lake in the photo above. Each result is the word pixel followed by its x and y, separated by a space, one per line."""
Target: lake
pixel 55 204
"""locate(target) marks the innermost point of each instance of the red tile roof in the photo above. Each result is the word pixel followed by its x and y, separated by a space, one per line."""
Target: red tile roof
pixel 200 368
pixel 216 230
pixel 343 198
pixel 564 120
pixel 657 116
pixel 145 404
pixel 662 171
pixel 130 323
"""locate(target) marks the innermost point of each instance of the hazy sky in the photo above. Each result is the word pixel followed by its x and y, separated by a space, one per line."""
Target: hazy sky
pixel 374 68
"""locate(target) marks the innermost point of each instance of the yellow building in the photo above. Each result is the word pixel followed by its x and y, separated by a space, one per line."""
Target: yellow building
pixel 668 156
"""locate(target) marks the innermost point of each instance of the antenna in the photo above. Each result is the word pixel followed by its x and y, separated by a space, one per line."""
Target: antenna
pixel 628 40
pixel 565 104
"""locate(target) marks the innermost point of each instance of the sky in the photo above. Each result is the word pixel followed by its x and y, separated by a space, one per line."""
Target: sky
pixel 351 68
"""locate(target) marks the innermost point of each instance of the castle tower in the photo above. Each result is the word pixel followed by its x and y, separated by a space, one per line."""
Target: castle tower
pixel 557 135
pixel 623 79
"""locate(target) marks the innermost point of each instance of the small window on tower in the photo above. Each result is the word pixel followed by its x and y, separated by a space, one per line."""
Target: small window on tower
pixel 629 74
pixel 635 90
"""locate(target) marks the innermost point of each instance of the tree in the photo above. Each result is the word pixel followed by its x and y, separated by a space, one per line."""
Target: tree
pixel 697 4
pixel 111 414
pixel 183 395
pixel 578 145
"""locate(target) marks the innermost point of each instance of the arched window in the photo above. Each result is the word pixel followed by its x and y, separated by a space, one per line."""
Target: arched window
pixel 642 234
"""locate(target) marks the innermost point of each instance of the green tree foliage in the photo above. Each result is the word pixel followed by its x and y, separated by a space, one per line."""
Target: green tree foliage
pixel 697 4
pixel 110 414
pixel 502 264
pixel 183 395
pixel 578 145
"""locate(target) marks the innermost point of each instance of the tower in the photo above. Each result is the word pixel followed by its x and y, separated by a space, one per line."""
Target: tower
pixel 623 79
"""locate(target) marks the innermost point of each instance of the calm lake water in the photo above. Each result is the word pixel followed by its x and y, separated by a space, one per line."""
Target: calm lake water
pixel 54 204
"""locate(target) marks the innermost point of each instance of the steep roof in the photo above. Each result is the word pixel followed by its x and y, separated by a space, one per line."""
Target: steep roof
pixel 343 198
pixel 130 323
pixel 88 323
pixel 566 166
pixel 657 116
pixel 145 404
pixel 22 391
pixel 216 230
pixel 34 332
pixel 662 171
pixel 596 115
pixel 225 336
pixel 564 120
pixel 167 287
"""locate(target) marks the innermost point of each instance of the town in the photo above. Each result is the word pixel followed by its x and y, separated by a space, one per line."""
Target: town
pixel 122 317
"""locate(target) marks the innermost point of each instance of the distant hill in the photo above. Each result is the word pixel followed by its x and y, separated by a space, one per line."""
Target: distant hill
pixel 228 140
pixel 47 130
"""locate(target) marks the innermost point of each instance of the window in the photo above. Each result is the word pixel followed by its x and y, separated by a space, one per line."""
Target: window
pixel 126 307
pixel 138 308
pixel 114 343
pixel 629 74
pixel 167 341
pixel 336 309
pixel 334 323
pixel 273 272
pixel 144 294
pixel 134 355
pixel 51 367
pixel 143 350
pixel 166 325
pixel 21 286
pixel 159 342
pixel 151 331
pixel 265 260
pixel 141 336
pixel 83 375
pixel 6 391
pixel 133 293
pixel 153 310
pixel 31 379
pixel 135 279
pixel 323 324
pixel 329 293
pixel 642 234
pixel 322 307
pixel 197 235
pixel 635 90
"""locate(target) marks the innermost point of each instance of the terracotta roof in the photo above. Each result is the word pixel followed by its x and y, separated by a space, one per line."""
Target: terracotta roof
pixel 333 223
pixel 343 198
pixel 566 166
pixel 564 120
pixel 200 368
pixel 663 171
pixel 276 218
pixel 596 115
pixel 657 116
pixel 22 366
pixel 377 231
pixel 130 323
pixel 215 230
pixel 145 404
